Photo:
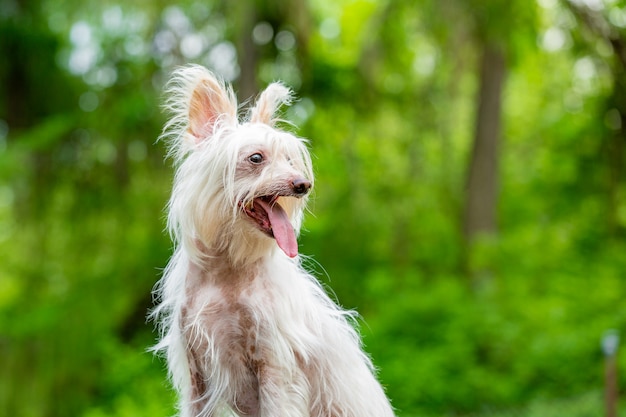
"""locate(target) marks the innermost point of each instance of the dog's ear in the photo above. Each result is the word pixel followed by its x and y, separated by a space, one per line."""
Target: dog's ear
pixel 211 103
pixel 268 103
pixel 198 103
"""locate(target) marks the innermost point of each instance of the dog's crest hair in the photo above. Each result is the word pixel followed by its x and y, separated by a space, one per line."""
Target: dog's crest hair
pixel 244 328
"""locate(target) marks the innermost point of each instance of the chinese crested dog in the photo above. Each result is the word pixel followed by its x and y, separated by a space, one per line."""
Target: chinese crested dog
pixel 246 331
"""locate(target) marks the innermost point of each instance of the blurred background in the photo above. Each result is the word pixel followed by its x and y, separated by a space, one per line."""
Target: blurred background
pixel 470 200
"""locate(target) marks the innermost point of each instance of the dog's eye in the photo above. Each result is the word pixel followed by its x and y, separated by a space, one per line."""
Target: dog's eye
pixel 255 158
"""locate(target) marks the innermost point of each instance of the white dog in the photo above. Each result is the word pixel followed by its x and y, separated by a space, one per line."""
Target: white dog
pixel 245 329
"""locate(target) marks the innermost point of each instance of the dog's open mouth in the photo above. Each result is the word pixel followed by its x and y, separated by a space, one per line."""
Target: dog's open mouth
pixel 273 220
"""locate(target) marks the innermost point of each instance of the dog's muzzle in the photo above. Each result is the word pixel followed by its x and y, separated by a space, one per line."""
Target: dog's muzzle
pixel 270 217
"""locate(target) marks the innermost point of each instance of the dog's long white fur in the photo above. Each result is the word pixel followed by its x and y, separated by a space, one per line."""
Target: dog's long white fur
pixel 244 328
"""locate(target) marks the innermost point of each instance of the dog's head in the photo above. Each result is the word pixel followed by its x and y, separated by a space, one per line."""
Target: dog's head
pixel 240 186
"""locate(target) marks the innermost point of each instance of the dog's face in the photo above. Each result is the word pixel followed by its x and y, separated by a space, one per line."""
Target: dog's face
pixel 238 185
pixel 271 181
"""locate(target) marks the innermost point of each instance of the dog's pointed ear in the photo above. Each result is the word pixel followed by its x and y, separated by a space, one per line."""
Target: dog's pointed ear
pixel 198 101
pixel 211 103
pixel 269 102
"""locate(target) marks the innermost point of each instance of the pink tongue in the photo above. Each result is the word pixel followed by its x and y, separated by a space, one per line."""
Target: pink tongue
pixel 281 227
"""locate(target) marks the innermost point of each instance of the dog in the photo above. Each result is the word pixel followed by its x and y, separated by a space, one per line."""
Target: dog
pixel 244 328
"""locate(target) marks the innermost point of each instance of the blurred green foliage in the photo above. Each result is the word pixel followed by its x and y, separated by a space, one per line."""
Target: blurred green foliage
pixel 387 93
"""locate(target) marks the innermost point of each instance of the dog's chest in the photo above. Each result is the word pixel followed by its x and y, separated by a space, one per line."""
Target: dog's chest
pixel 232 322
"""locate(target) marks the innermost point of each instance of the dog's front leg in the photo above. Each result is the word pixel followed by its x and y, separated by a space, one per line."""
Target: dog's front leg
pixel 282 391
pixel 197 395
pixel 197 398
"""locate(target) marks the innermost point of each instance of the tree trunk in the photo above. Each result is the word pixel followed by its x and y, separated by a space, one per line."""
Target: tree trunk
pixel 248 56
pixel 480 217
pixel 613 156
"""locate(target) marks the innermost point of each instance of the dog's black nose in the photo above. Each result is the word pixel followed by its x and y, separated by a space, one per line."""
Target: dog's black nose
pixel 301 186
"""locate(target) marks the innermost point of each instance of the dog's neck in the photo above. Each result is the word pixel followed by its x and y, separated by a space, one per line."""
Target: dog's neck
pixel 216 267
pixel 239 246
